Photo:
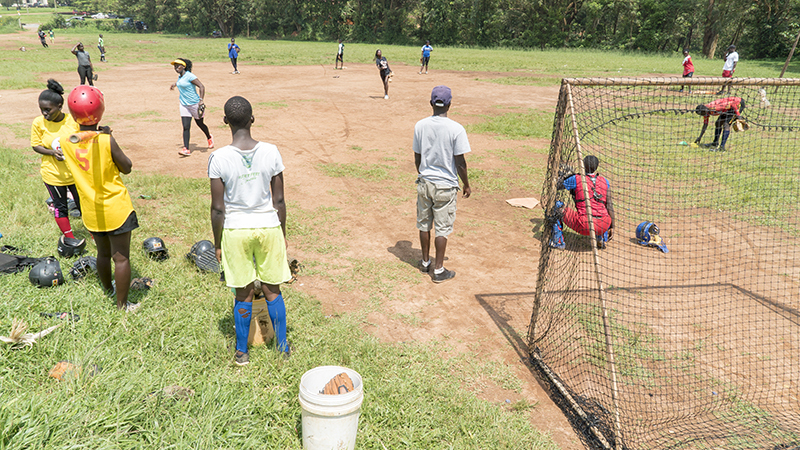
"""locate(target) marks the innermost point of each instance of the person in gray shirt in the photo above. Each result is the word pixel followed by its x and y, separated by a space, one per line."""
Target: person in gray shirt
pixel 439 148
pixel 85 67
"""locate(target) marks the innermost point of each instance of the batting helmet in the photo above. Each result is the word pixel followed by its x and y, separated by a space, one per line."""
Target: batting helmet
pixel 86 105
pixel 46 273
pixel 83 266
pixel 204 255
pixel 647 234
pixel 155 248
pixel 69 247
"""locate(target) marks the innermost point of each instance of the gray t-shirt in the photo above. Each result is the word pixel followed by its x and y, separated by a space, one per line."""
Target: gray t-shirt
pixel 83 58
pixel 438 140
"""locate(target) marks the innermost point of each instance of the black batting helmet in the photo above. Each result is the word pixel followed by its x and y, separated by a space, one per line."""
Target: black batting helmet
pixel 204 255
pixel 69 247
pixel 155 248
pixel 46 273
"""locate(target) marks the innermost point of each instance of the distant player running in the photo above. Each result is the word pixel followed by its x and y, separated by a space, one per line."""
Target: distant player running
pixel 688 67
pixel 108 214
pixel 248 216
pixel 728 109
pixel 339 56
pixel 233 54
pixel 426 56
pixel 385 72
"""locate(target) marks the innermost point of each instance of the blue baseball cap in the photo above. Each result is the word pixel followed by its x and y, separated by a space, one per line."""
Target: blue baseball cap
pixel 441 96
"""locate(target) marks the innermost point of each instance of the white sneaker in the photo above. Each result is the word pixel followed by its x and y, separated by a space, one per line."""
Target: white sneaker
pixel 386 97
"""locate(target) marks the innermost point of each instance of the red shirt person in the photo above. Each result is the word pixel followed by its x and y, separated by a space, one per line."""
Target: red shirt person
pixel 728 109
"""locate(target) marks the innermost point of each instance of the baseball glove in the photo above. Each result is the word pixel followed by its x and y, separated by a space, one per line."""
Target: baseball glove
pixel 340 384
pixel 564 171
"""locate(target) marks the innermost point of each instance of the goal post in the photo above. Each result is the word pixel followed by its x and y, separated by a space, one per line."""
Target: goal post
pixel 696 347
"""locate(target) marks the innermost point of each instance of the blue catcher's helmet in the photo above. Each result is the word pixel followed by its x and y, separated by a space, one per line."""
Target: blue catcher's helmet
pixel 647 234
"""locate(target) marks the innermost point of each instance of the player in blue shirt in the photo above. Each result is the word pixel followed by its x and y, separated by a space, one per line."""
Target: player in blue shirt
pixel 233 54
pixel 426 56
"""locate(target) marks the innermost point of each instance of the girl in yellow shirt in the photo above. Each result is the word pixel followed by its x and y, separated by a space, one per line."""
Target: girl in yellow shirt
pixel 51 125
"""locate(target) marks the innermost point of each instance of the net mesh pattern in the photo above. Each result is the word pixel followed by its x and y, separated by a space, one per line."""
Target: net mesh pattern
pixel 700 346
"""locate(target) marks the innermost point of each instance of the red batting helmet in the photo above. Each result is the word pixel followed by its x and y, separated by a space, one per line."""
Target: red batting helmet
pixel 86 105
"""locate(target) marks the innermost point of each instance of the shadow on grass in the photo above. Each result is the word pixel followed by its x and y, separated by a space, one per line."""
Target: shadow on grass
pixel 405 252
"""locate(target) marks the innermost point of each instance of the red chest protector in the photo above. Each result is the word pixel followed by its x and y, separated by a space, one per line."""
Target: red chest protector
pixel 598 190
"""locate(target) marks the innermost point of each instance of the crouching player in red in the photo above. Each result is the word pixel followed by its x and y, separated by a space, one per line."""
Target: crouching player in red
pixel 96 162
pixel 598 188
pixel 728 109
pixel 248 216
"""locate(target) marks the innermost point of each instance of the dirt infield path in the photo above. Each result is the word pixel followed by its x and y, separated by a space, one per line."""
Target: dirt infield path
pixel 319 118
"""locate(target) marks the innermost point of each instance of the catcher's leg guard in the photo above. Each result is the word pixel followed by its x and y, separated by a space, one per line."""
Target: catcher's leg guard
pixel 557 239
pixel 277 314
pixel 241 318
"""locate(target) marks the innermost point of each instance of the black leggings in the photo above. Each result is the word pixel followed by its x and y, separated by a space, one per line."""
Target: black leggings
pixel 60 200
pixel 187 125
pixel 86 73
pixel 233 61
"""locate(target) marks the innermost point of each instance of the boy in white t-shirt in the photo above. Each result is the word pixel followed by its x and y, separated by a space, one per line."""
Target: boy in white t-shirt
pixel 248 216
pixel 731 58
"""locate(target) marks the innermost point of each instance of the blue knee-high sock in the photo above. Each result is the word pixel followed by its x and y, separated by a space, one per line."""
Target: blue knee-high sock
pixel 277 314
pixel 241 317
pixel 725 135
pixel 557 240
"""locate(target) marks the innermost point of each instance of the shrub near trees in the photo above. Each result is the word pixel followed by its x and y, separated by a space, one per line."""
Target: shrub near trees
pixel 759 28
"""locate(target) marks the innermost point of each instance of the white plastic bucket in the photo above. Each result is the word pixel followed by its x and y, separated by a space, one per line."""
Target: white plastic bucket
pixel 330 422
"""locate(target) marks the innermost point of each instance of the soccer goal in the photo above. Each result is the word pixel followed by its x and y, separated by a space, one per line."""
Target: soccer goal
pixel 697 347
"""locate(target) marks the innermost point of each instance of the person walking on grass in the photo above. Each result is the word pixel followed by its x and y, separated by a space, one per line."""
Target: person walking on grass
pixel 191 102
pixel 688 67
pixel 248 217
pixel 85 66
pixel 43 38
pixel 731 59
pixel 108 213
pixel 385 72
pixel 426 56
pixel 102 47
pixel 233 54
pixel 439 148
pixel 339 56
pixel 52 36
pixel 46 129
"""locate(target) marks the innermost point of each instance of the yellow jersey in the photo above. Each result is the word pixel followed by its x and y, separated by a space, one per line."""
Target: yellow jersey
pixel 44 132
pixel 105 201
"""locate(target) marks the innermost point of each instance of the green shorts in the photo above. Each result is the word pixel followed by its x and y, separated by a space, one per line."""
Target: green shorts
pixel 250 254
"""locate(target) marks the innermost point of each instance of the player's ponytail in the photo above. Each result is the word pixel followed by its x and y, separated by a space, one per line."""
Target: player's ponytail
pixel 188 64
pixel 54 93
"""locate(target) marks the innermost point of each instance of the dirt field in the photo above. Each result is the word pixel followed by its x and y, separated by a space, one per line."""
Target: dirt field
pixel 318 116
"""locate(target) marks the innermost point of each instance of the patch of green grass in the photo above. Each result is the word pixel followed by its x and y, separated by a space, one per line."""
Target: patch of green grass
pixel 523 81
pixel 272 105
pixel 141 115
pixel 532 124
pixel 361 171
pixel 20 130
pixel 183 335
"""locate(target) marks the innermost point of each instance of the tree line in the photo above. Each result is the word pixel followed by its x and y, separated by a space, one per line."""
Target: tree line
pixel 759 28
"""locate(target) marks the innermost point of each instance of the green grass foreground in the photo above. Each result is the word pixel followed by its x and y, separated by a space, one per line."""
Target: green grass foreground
pixel 529 67
pixel 183 335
